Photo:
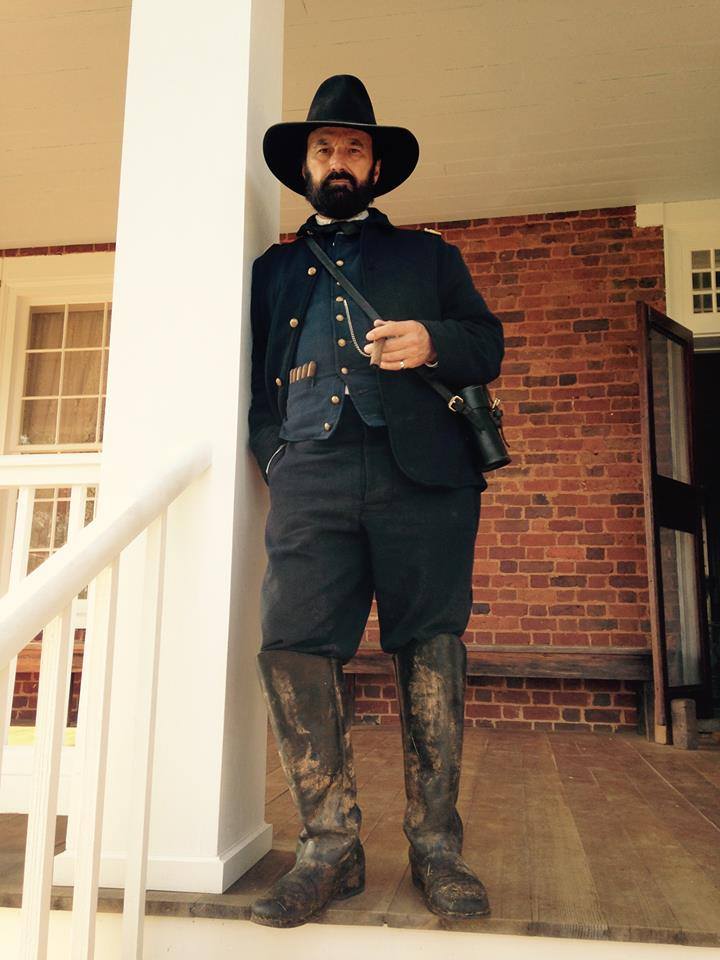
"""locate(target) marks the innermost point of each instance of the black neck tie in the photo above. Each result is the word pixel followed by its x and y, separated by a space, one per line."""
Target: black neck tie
pixel 349 227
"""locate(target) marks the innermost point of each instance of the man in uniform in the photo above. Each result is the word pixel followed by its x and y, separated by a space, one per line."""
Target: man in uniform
pixel 374 491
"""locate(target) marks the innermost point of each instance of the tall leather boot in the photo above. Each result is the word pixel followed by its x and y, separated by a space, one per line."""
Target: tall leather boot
pixel 431 692
pixel 304 698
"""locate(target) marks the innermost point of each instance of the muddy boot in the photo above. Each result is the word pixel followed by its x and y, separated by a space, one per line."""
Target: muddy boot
pixel 304 698
pixel 431 693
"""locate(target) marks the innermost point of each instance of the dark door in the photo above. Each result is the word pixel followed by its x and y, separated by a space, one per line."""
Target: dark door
pixel 706 372
pixel 674 499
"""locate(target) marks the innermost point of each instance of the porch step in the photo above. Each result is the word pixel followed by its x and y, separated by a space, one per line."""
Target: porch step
pixel 188 939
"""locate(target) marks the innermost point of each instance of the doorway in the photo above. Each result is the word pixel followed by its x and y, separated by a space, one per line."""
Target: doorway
pixel 707 378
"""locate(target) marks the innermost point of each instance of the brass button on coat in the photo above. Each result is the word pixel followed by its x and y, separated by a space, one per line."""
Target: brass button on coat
pixel 278 381
pixel 334 398
pixel 340 263
pixel 339 317
pixel 338 299
pixel 312 271
pixel 327 426
pixel 341 342
pixel 294 322
pixel 344 370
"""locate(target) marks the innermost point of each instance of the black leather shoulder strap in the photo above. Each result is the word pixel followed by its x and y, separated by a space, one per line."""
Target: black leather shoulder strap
pixel 350 288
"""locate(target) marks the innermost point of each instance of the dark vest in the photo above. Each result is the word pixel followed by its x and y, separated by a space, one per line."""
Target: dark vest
pixel 314 404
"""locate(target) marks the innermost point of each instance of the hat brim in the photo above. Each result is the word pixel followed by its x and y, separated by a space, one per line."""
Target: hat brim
pixel 285 147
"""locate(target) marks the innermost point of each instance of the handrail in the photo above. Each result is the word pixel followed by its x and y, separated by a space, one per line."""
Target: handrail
pixel 35 601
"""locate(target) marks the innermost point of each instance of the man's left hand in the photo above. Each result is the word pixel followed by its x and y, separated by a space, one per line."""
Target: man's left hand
pixel 407 344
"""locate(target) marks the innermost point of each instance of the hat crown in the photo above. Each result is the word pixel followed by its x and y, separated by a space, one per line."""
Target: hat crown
pixel 342 98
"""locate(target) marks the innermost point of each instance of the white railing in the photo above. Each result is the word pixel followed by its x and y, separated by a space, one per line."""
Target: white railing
pixel 27 473
pixel 42 601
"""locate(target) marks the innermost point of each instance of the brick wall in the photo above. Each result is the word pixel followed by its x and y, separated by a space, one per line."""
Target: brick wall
pixel 560 555
pixel 24 708
pixel 27 677
pixel 515 703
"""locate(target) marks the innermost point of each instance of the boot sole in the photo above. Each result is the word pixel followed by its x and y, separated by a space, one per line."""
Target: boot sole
pixel 287 924
pixel 448 914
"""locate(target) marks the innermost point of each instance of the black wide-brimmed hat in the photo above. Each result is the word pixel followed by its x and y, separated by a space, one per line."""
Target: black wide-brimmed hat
pixel 340 101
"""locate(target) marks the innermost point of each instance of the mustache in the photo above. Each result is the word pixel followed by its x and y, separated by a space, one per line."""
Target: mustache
pixel 340 176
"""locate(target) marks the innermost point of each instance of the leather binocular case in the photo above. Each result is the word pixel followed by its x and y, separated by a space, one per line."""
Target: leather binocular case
pixel 484 417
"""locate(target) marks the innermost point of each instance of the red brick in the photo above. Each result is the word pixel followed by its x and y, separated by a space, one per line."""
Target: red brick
pixel 371 706
pixel 486 710
pixel 541 713
pixel 571 698
pixel 512 696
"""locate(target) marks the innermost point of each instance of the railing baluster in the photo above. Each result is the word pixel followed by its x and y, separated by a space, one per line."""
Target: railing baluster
pixel 40 846
pixel 18 567
pixel 92 739
pixel 32 601
pixel 139 823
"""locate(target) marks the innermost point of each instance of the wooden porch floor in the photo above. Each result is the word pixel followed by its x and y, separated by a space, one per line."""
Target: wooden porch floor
pixel 575 835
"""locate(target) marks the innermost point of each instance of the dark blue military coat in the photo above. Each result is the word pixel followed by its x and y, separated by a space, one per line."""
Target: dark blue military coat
pixel 407 275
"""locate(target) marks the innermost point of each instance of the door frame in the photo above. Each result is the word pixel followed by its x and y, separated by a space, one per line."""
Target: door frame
pixel 656 490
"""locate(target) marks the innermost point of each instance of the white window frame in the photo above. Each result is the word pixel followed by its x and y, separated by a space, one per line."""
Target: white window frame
pixel 19 364
pixel 681 244
pixel 687 226
pixel 27 282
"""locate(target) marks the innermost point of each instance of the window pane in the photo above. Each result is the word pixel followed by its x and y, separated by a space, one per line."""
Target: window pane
pixel 46 326
pixel 682 624
pixel 700 259
pixel 84 327
pixel 81 373
pixel 35 559
pixel 102 419
pixel 61 523
pixel 38 421
pixel 77 421
pixel 669 408
pixel 42 374
pixel 41 525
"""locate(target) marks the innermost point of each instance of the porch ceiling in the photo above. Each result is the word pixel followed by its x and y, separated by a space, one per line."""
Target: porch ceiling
pixel 520 105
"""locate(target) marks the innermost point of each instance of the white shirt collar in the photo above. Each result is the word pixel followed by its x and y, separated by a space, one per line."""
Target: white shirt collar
pixel 322 220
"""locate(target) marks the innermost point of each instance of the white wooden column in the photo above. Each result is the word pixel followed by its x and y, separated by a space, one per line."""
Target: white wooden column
pixel 197 205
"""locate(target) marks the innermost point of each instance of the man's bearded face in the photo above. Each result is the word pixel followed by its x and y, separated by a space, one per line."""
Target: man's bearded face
pixel 339 171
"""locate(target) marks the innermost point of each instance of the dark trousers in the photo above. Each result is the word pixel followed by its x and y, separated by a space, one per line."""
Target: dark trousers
pixel 345 523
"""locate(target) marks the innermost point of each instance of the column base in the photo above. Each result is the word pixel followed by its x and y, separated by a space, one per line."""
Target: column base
pixel 191 875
